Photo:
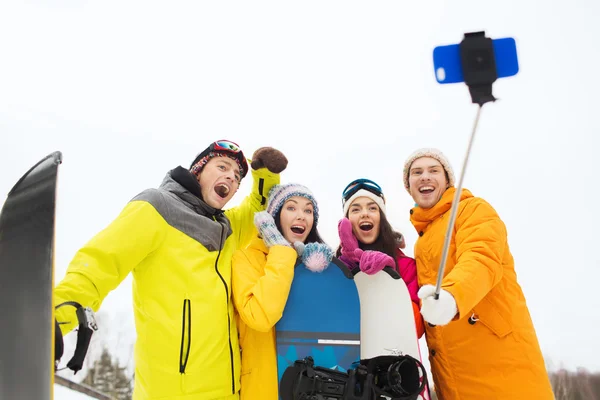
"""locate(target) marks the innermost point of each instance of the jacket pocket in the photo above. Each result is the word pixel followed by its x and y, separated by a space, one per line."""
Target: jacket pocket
pixel 486 313
pixel 186 335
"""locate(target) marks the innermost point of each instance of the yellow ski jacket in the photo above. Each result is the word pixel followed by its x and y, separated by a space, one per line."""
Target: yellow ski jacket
pixel 261 283
pixel 179 251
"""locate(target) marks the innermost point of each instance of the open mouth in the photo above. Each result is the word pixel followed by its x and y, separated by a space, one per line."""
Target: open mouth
pixel 297 229
pixel 365 226
pixel 426 189
pixel 222 190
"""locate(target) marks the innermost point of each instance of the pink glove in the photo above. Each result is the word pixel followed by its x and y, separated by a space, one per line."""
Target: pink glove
pixel 351 253
pixel 372 262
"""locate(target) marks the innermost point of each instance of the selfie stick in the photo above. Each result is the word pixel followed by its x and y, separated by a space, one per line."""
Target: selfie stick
pixel 454 209
pixel 479 70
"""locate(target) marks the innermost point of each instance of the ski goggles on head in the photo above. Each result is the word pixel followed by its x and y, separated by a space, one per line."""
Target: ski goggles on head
pixel 226 145
pixel 358 184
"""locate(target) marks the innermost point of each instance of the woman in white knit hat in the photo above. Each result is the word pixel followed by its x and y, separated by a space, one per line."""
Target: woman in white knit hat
pixel 481 340
pixel 369 242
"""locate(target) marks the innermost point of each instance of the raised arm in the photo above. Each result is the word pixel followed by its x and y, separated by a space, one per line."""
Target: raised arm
pixel 481 241
pixel 267 163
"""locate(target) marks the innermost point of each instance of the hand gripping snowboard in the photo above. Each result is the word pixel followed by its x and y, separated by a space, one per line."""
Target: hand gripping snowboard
pixel 321 319
pixel 26 284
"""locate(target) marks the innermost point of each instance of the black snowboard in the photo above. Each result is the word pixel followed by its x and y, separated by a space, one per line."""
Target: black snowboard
pixel 26 284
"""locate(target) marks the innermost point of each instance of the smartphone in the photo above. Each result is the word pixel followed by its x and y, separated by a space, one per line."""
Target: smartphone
pixel 448 69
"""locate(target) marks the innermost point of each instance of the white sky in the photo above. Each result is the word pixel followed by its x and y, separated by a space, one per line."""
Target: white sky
pixel 129 90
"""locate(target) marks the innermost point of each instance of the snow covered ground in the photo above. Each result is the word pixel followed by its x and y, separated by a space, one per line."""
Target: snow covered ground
pixel 63 393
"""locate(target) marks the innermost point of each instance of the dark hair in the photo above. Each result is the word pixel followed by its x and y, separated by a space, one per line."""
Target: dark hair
pixel 313 235
pixel 388 240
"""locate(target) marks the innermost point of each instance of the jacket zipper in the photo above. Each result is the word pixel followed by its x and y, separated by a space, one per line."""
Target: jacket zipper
pixel 227 309
pixel 261 187
pixel 186 335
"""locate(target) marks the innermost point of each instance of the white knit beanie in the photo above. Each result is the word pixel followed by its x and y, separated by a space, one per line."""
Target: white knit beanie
pixel 365 193
pixel 428 152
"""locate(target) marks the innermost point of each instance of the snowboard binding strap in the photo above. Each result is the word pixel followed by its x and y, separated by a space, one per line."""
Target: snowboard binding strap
pixel 305 381
pixel 87 326
pixel 399 377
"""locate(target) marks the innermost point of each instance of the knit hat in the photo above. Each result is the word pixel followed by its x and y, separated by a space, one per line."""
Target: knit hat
pixel 428 152
pixel 279 194
pixel 220 148
pixel 366 188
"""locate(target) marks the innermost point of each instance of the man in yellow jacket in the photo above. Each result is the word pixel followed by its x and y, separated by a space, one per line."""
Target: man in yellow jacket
pixel 481 340
pixel 178 242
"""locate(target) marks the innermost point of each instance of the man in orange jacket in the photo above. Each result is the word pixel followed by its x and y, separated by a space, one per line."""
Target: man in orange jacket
pixel 481 339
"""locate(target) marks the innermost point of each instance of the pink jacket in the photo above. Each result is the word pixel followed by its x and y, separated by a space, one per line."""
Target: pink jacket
pixel 407 268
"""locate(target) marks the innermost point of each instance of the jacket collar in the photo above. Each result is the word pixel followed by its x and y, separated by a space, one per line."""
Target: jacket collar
pixel 421 217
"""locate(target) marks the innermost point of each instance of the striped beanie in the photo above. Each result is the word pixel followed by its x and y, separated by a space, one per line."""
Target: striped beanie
pixel 220 148
pixel 279 194
pixel 197 167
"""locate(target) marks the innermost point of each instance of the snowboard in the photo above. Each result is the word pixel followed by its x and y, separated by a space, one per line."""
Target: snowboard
pixel 321 319
pixel 387 323
pixel 26 284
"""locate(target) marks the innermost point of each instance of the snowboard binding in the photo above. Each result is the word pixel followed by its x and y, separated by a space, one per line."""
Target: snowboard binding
pixel 87 326
pixel 399 377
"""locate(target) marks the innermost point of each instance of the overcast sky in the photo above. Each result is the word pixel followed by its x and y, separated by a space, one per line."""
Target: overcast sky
pixel 128 90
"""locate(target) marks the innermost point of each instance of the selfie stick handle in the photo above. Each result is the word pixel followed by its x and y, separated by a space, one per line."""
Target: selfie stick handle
pixel 454 208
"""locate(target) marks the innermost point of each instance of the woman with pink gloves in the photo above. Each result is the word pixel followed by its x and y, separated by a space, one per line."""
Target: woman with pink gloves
pixel 369 242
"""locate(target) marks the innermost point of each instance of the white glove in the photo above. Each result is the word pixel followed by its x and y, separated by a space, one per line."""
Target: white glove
pixel 440 311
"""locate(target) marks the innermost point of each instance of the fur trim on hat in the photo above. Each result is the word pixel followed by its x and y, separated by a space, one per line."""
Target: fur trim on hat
pixel 279 194
pixel 364 193
pixel 428 152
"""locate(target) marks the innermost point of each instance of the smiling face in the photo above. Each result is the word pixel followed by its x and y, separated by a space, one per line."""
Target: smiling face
pixel 296 219
pixel 364 214
pixel 219 180
pixel 427 181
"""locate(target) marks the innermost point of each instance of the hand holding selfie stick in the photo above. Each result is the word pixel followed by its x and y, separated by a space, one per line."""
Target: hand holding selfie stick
pixel 479 70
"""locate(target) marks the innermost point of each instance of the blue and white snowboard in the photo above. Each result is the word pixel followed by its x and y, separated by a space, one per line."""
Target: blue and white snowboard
pixel 321 319
pixel 338 318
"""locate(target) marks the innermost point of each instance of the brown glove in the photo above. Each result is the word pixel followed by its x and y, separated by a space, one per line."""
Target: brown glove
pixel 270 158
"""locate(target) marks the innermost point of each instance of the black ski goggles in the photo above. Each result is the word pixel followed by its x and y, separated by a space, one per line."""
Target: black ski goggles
pixel 358 184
